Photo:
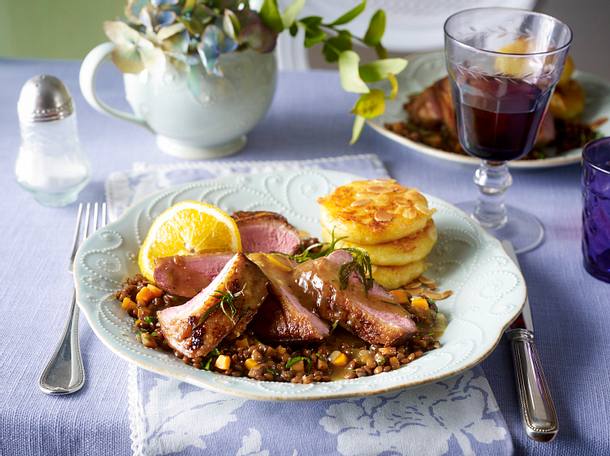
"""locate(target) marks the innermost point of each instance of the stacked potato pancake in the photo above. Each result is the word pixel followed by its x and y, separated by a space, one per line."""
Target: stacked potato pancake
pixel 392 223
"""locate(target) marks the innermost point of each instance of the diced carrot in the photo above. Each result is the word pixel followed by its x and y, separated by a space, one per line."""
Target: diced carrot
pixel 401 295
pixel 156 291
pixel 250 364
pixel 338 358
pixel 128 304
pixel 420 303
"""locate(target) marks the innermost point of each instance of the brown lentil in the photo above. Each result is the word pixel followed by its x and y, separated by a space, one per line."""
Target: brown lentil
pixel 270 360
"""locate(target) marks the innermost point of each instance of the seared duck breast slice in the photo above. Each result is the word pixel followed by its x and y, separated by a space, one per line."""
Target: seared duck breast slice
pixel 187 275
pixel 263 231
pixel 224 307
pixel 283 317
pixel 374 316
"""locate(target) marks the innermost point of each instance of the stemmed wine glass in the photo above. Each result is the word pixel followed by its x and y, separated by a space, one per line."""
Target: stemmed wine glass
pixel 503 65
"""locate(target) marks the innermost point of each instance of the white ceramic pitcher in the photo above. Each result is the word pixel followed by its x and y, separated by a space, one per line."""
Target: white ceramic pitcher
pixel 213 124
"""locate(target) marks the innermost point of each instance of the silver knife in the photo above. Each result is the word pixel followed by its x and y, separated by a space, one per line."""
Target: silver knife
pixel 535 401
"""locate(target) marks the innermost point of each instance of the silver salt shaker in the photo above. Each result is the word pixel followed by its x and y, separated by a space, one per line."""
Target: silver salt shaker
pixel 51 163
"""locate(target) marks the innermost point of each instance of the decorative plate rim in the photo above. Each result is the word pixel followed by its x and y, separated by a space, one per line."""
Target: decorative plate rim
pixel 301 394
pixel 571 157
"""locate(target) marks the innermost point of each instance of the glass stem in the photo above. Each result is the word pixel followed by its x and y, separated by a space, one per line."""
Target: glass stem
pixel 493 179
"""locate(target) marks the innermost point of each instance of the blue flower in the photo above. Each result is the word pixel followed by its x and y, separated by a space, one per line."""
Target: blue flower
pixel 214 43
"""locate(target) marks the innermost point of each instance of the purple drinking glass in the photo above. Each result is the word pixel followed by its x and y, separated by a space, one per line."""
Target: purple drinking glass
pixel 596 208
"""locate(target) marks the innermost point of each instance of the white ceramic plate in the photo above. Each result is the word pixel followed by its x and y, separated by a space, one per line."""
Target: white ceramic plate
pixel 489 290
pixel 425 69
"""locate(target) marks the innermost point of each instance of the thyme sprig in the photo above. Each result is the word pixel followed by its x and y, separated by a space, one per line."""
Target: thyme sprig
pixel 361 265
pixel 319 249
pixel 226 303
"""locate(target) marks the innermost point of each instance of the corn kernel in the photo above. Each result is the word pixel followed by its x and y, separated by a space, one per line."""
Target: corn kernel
pixel 420 304
pixel 223 362
pixel 128 304
pixel 401 296
pixel 338 358
pixel 250 364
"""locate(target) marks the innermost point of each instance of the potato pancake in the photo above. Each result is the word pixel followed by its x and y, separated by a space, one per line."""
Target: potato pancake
pixel 392 277
pixel 374 211
pixel 396 253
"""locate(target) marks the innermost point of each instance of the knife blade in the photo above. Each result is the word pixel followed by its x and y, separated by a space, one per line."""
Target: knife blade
pixel 536 404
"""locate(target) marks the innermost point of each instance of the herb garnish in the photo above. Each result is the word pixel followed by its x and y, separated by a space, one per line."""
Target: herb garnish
pixel 295 359
pixel 361 265
pixel 325 249
pixel 208 363
pixel 150 320
pixel 272 372
pixel 334 326
pixel 226 302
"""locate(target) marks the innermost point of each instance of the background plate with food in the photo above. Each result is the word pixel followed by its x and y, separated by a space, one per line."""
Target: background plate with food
pixel 421 117
pixel 175 338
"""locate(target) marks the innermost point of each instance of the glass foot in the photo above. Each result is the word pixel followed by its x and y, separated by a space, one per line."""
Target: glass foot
pixel 523 230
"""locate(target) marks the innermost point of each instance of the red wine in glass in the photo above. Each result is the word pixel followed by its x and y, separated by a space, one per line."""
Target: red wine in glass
pixel 498 116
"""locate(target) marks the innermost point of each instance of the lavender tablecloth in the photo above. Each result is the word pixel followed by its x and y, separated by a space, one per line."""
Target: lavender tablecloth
pixel 308 119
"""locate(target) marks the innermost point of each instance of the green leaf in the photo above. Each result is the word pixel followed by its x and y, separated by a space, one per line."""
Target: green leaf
pixel 376 29
pixel 230 24
pixel 314 36
pixel 379 70
pixel 294 29
pixel 350 76
pixel 370 104
pixel 270 15
pixel 311 21
pixel 382 53
pixel 357 128
pixel 291 12
pixel 188 6
pixel 350 15
pixel 333 47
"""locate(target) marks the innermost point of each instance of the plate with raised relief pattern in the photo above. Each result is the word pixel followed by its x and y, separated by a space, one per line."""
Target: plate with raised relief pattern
pixel 489 290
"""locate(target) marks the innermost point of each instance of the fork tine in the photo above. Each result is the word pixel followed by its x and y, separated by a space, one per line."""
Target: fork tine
pixel 87 216
pixel 95 218
pixel 104 215
pixel 79 219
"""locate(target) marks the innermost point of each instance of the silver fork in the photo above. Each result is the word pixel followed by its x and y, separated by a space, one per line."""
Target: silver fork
pixel 64 373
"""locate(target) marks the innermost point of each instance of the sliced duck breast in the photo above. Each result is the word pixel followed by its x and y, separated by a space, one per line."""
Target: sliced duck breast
pixel 283 317
pixel 224 307
pixel 374 316
pixel 263 231
pixel 187 275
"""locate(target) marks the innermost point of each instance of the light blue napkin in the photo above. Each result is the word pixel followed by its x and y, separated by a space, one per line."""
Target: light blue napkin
pixel 457 416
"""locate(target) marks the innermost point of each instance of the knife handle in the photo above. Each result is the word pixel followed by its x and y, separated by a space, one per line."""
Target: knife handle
pixel 537 408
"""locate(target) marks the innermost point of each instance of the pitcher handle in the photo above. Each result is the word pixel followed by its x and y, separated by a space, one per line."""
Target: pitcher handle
pixel 87 76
